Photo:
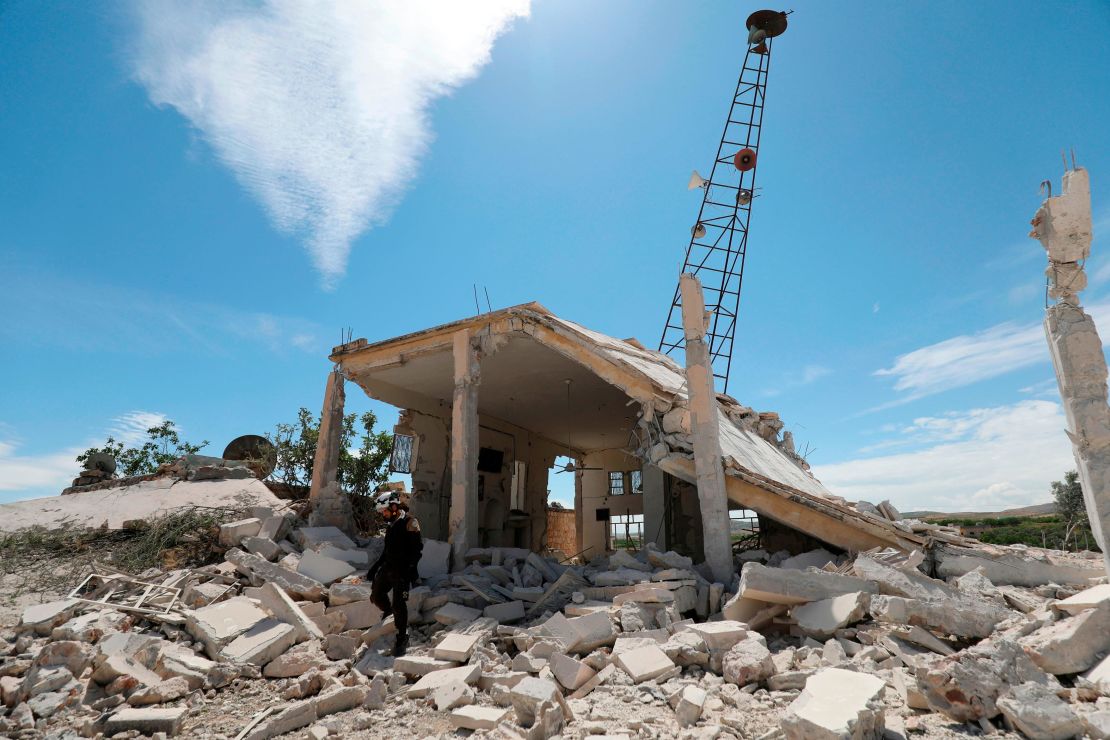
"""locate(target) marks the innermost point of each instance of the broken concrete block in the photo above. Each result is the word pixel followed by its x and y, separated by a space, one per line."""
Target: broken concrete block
pixel 592 631
pixel 966 686
pixel 690 705
pixel 453 613
pixel 296 661
pixel 669 559
pixel 528 663
pixel 1097 724
pixel 217 625
pixel 964 618
pixel 456 647
pixel 1073 644
pixel 451 695
pixel 570 672
pixel 346 593
pixel 313 538
pixel 620 577
pixel 818 558
pixel 645 595
pixel 1099 676
pixel 778 586
pixel 529 695
pixel 1038 713
pixel 43 618
pixel 146 721
pixel 232 532
pixel 748 661
pixel 820 619
pixel 123 673
pixel 274 528
pixel 294 716
pixel 510 611
pixel 421 665
pixel 644 663
pixel 435 559
pixel 358 559
pixel 924 638
pixel 295 584
pixel 322 568
pixel 340 700
pixel 263 547
pixel 91 626
pixel 359 615
pixel 261 643
pixel 168 690
pixel 836 704
pixel 285 609
pixel 625 559
pixel 478 718
pixel 1086 599
pixel 720 635
pixel 467 674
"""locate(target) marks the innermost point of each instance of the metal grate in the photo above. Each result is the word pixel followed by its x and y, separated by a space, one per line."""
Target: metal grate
pixel 717 254
pixel 616 483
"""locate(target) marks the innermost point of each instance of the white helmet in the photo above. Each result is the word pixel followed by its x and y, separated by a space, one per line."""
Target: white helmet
pixel 387 499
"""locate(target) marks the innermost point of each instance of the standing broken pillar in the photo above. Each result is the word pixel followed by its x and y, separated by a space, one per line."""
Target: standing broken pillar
pixel 1063 226
pixel 464 447
pixel 330 505
pixel 706 431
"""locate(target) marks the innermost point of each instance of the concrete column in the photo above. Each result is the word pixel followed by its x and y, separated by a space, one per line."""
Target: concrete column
pixel 1063 226
pixel 705 427
pixel 330 505
pixel 464 519
pixel 655 507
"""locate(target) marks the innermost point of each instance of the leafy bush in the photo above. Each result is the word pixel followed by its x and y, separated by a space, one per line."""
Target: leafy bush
pixel 163 445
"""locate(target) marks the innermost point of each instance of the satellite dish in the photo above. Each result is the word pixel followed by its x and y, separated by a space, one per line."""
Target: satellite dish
pixel 258 452
pixel 696 181
pixel 699 230
pixel 101 461
pixel 765 24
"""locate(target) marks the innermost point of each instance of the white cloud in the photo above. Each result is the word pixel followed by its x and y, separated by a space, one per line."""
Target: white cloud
pixel 969 358
pixel 36 475
pixel 975 460
pixel 319 108
pixel 875 308
pixel 131 428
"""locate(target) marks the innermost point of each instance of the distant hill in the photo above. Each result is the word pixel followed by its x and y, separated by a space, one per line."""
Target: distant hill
pixel 1036 510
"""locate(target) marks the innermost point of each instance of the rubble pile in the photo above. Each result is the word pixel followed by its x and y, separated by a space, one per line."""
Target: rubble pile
pixel 515 645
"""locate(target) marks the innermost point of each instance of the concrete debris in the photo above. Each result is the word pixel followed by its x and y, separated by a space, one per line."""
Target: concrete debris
pixel 836 704
pixel 1073 644
pixel 1039 713
pixel 778 586
pixel 822 619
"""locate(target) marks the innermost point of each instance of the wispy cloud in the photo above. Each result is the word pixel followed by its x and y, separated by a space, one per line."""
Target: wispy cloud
pixel 970 358
pixel 35 475
pixel 90 316
pixel 979 459
pixel 805 376
pixel 319 108
pixel 131 428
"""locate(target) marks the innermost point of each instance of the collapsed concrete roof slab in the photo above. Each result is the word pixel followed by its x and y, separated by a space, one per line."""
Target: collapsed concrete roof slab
pixel 144 500
pixel 528 352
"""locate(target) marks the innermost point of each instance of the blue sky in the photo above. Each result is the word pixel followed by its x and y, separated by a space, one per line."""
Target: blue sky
pixel 194 203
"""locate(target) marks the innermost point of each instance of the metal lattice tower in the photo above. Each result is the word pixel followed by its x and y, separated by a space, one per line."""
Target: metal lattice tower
pixel 719 239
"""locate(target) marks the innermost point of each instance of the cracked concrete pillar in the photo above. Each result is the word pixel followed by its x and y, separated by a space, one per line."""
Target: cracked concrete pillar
pixel 464 447
pixel 706 430
pixel 1063 226
pixel 330 505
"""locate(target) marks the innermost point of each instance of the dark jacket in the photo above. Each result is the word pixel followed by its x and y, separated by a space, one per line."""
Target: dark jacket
pixel 403 547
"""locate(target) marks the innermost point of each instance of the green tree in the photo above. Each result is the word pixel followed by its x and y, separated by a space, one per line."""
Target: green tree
pixel 163 445
pixel 1069 504
pixel 363 452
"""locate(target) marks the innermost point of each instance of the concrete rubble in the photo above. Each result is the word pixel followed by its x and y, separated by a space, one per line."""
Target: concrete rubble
pixel 831 645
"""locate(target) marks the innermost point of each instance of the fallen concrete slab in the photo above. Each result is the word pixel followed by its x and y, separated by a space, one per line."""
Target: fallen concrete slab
pixel 836 704
pixel 778 586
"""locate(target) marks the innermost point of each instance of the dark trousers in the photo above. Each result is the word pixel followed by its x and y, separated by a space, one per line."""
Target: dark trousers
pixel 385 582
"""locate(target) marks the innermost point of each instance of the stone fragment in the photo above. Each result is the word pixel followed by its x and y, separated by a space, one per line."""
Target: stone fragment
pixel 570 672
pixel 644 663
pixel 146 721
pixel 115 667
pixel 818 558
pixel 505 613
pixel 274 527
pixel 322 568
pixel 340 700
pixel 91 626
pixel 232 532
pixel 645 595
pixel 285 609
pixel 625 559
pixel 1097 724
pixel 43 618
pixel 836 704
pixel 1085 599
pixel 720 635
pixel 346 593
pixel 293 717
pixel 529 695
pixel 263 547
pixel 778 586
pixel 467 674
pixel 478 718
pixel 217 625
pixel 456 647
pixel 261 643
pixel 358 615
pixel 748 661
pixel 313 538
pixel 592 631
pixel 690 705
pixel 908 583
pixel 295 584
pixel 453 613
pixel 821 619
pixel 421 665
pixel 966 686
pixel 669 559
pixel 1038 713
pixel 451 695
pixel 964 618
pixel 358 559
pixel 1073 644
pixel 165 691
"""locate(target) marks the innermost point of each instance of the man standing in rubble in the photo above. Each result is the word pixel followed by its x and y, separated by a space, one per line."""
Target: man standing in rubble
pixel 395 571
